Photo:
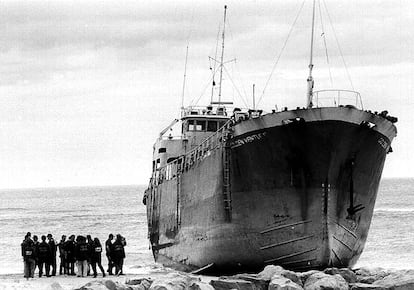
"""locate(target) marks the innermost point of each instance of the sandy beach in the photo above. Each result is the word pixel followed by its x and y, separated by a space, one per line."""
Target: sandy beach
pixel 17 281
pixel 66 282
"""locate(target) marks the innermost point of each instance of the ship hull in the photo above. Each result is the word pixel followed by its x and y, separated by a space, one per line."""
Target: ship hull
pixel 302 188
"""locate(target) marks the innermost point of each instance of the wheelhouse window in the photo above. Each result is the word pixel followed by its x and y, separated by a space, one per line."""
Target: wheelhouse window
pixel 203 125
pixel 212 126
pixel 200 125
pixel 196 125
pixel 191 125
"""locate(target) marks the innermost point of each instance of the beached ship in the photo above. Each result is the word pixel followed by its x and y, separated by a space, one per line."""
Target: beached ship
pixel 241 189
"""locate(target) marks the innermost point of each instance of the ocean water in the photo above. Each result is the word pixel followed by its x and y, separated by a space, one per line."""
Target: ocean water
pixel 390 242
pixel 99 211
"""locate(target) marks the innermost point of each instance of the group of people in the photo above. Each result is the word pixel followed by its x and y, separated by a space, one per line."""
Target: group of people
pixel 83 251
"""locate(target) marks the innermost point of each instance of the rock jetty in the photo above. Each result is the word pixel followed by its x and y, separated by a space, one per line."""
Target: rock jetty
pixel 271 278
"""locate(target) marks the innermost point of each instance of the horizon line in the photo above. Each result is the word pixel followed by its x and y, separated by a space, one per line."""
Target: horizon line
pixel 130 185
pixel 70 186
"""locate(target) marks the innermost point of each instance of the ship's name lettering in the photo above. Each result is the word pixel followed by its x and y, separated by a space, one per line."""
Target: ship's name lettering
pixel 247 139
pixel 383 143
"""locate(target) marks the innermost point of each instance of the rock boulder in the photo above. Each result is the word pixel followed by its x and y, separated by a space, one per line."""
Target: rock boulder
pixel 103 285
pixel 347 274
pixel 172 281
pixel 305 275
pixel 399 280
pixel 228 284
pixel 295 277
pixel 364 286
pixel 139 284
pixel 269 271
pixel 199 285
pixel 259 284
pixel 279 282
pixel 321 281
pixel 370 275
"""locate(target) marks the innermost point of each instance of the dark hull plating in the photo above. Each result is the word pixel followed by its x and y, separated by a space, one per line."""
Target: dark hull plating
pixel 302 195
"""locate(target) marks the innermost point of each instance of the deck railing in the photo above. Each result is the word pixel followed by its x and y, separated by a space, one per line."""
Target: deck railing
pixel 203 110
pixel 191 158
pixel 328 98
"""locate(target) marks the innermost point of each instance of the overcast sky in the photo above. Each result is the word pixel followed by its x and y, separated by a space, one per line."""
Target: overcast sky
pixel 86 86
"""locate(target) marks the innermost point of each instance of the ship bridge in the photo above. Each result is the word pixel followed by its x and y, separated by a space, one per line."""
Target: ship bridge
pixel 200 122
pixel 197 124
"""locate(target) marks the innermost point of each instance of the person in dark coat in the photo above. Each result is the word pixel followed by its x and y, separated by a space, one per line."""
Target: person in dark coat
pixel 118 254
pixel 70 249
pixel 36 245
pixel 53 250
pixel 63 269
pixel 83 252
pixel 28 253
pixel 96 257
pixel 108 246
pixel 124 243
pixel 44 257
pixel 90 243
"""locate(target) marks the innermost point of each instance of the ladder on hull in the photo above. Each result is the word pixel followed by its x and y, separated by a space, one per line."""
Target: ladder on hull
pixel 226 176
pixel 178 209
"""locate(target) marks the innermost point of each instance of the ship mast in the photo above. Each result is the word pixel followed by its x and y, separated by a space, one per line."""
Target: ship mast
pixel 310 78
pixel 185 75
pixel 222 54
